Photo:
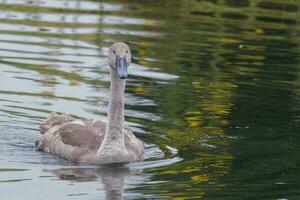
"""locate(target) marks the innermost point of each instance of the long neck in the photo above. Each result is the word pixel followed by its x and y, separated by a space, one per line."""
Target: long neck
pixel 114 129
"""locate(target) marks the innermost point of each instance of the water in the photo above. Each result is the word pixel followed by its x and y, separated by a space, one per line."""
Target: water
pixel 214 92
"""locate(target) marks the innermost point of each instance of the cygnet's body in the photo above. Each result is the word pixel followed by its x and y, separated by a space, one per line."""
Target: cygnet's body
pixel 96 142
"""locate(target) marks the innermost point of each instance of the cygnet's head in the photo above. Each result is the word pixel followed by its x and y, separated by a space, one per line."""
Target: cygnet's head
pixel 119 58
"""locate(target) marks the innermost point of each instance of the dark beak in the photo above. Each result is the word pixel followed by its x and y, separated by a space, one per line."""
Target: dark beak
pixel 121 67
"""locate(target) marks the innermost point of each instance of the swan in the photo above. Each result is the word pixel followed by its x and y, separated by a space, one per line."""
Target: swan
pixel 96 142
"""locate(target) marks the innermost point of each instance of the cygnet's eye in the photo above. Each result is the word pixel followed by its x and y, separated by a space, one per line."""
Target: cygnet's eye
pixel 114 51
pixel 126 51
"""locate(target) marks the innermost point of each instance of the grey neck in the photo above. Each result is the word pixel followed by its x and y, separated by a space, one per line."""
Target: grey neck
pixel 115 123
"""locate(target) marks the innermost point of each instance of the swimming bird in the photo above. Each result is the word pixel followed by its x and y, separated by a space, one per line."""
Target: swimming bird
pixel 96 142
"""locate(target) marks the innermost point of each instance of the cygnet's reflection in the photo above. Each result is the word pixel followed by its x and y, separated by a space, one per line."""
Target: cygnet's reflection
pixel 112 177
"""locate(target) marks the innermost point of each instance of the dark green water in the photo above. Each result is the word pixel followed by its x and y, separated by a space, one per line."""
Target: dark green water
pixel 214 92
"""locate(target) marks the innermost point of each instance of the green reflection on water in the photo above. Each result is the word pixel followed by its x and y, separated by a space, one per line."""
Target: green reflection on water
pixel 11 170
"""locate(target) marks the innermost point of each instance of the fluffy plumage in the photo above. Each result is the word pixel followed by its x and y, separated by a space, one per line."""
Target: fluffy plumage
pixel 96 142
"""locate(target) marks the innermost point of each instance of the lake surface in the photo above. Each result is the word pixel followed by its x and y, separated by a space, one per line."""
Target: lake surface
pixel 213 91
